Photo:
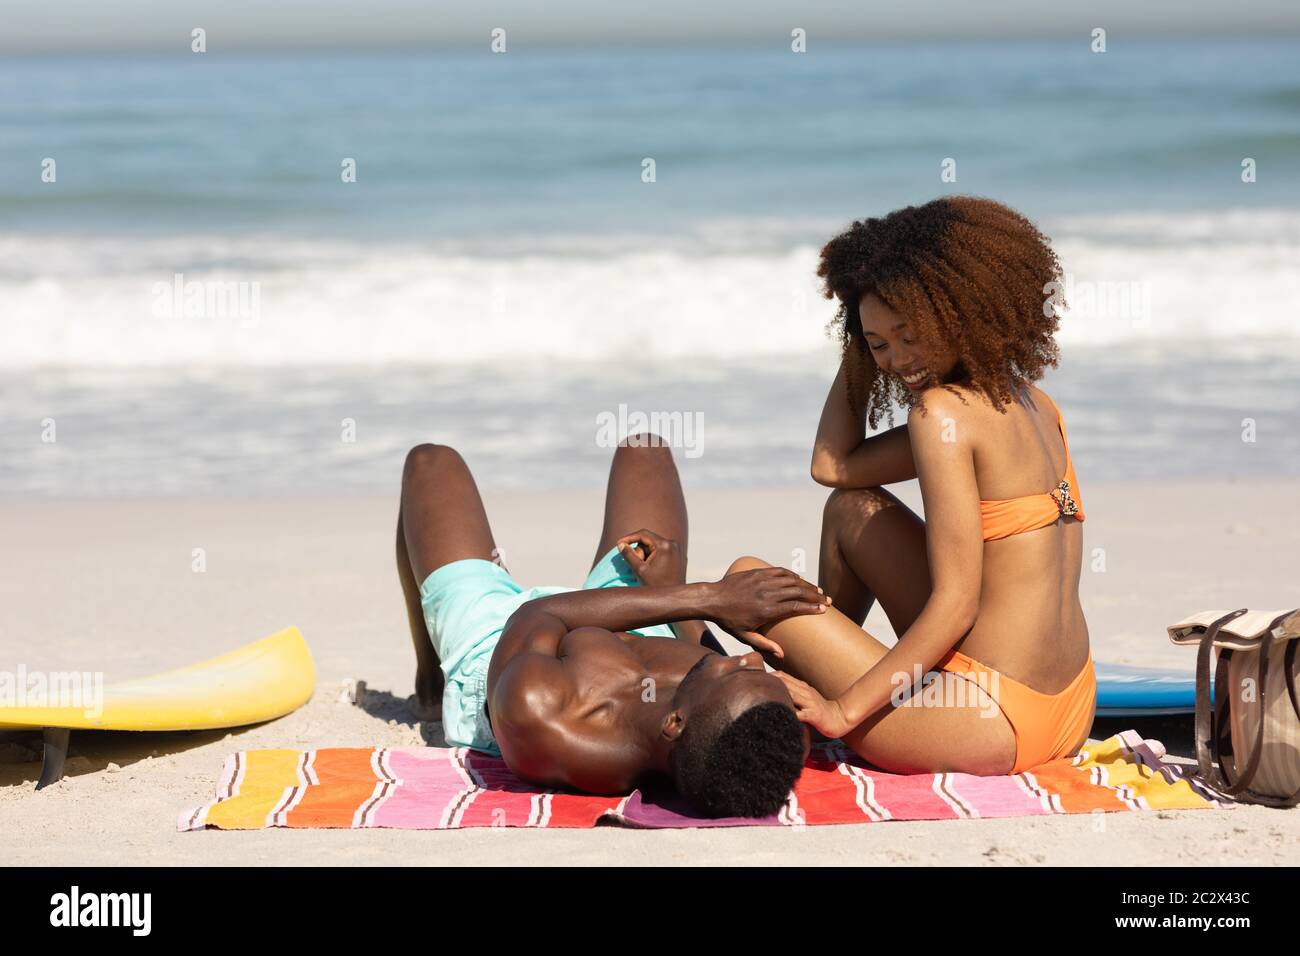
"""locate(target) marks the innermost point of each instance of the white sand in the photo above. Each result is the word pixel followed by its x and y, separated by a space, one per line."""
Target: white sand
pixel 108 585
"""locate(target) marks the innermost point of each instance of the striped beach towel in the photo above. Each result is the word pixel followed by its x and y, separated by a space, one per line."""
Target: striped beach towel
pixel 430 788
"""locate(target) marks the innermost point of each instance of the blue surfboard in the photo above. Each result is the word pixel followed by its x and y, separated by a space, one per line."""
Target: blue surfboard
pixel 1124 690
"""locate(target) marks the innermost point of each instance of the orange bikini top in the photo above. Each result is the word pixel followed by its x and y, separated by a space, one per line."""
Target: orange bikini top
pixel 1002 519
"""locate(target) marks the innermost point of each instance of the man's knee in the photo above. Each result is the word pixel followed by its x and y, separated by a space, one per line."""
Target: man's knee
pixel 430 459
pixel 747 563
pixel 644 444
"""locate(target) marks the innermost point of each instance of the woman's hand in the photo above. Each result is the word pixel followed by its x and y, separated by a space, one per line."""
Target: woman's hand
pixel 815 710
pixel 656 560
pixel 749 600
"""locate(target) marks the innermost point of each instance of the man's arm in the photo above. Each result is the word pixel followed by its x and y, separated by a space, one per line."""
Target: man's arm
pixel 614 609
pixel 745 601
pixel 657 560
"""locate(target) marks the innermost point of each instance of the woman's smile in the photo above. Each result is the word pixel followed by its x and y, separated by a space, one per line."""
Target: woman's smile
pixel 915 380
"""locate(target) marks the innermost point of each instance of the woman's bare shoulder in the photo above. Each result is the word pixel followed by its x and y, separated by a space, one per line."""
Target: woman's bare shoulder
pixel 954 404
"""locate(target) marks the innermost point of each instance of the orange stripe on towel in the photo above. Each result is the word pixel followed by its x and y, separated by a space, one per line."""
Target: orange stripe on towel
pixel 348 784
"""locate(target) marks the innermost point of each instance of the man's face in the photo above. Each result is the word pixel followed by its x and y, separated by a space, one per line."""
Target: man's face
pixel 732 683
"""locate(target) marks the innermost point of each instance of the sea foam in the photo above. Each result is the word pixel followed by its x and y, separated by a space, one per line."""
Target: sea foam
pixel 97 301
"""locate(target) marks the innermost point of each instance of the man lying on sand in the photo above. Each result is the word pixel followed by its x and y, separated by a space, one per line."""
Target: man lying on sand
pixel 597 688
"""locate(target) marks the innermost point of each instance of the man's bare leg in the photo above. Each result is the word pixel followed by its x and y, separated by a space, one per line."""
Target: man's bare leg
pixel 441 519
pixel 645 491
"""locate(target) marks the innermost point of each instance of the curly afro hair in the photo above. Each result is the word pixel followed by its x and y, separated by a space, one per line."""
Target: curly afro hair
pixel 971 275
pixel 743 767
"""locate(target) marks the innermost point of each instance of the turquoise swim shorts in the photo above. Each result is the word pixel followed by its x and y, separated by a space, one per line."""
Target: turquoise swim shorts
pixel 466 604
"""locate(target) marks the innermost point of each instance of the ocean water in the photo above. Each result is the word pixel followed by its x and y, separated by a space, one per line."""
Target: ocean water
pixel 1141 412
pixel 198 301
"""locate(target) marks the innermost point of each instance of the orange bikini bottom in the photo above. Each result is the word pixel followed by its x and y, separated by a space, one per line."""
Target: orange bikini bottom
pixel 1046 725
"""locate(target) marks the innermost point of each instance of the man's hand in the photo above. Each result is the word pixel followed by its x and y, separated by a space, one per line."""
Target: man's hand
pixel 749 600
pixel 655 559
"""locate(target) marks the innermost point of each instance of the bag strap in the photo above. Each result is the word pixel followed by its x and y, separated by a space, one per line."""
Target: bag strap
pixel 1207 741
pixel 1290 624
pixel 1288 662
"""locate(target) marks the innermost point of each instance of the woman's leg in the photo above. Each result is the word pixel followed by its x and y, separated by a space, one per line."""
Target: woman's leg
pixel 873 547
pixel 441 519
pixel 965 732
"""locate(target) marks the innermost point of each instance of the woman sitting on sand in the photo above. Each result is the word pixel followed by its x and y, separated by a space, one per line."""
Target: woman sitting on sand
pixel 944 310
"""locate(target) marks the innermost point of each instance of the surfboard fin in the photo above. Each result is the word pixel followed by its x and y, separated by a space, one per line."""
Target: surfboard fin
pixel 56 752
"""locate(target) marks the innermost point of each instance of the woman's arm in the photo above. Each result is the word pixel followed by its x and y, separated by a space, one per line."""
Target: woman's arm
pixel 955 546
pixel 844 458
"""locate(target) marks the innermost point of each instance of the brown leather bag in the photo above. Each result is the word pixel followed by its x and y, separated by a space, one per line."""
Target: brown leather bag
pixel 1253 729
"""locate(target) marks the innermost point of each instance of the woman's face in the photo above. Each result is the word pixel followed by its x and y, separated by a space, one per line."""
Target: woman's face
pixel 896 349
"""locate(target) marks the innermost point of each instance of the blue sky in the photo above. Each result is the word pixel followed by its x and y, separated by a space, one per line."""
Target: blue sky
pixel 237 25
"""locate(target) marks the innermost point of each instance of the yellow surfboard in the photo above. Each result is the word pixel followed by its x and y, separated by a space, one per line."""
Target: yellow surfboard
pixel 260 681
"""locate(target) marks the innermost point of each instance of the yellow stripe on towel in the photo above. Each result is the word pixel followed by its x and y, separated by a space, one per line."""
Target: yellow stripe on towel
pixel 262 781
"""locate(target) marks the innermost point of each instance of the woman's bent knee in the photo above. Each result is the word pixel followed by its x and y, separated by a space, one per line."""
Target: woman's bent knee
pixel 857 502
pixel 747 563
